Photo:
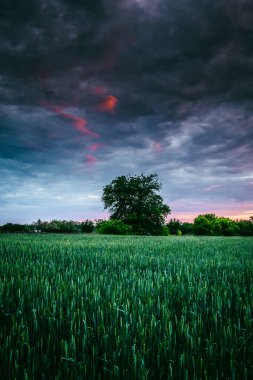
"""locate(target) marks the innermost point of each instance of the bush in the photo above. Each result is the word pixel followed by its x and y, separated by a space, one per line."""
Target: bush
pixel 164 231
pixel 113 227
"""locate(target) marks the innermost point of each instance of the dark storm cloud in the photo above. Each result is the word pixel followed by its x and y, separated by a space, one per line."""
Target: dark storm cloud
pixel 156 86
pixel 185 50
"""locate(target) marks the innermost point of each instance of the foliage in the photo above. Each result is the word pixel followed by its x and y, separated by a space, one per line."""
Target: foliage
pixel 204 224
pixel 164 231
pixel 187 228
pixel 174 226
pixel 134 201
pixel 145 225
pixel 10 227
pixel 54 226
pixel 87 226
pixel 245 227
pixel 225 226
pixel 63 226
pixel 57 226
pixel 119 307
pixel 113 227
pixel 209 224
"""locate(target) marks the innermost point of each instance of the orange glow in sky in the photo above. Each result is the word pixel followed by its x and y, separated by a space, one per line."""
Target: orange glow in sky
pixel 108 104
pixel 190 216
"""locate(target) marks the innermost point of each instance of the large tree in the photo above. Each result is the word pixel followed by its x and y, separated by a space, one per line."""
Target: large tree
pixel 135 201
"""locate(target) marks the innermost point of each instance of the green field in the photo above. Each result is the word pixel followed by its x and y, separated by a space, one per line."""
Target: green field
pixel 111 307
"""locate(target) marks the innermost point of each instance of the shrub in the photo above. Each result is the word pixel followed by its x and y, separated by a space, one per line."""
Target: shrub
pixel 165 231
pixel 113 227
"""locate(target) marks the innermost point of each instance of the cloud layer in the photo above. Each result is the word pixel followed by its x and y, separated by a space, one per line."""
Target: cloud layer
pixel 92 90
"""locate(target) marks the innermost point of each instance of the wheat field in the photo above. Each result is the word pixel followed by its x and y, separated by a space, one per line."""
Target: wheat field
pixel 111 307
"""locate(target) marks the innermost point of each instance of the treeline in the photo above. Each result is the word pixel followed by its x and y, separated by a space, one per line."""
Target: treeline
pixel 54 226
pixel 212 225
pixel 207 224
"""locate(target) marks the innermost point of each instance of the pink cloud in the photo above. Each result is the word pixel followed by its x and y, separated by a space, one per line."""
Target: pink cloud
pixel 157 147
pixel 78 122
pixel 90 159
pixel 94 147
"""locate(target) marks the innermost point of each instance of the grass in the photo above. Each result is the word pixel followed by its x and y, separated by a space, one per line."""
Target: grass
pixel 110 307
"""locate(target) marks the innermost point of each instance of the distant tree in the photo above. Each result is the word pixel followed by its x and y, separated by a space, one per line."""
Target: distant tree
pixel 225 226
pixel 67 226
pixel 39 226
pixel 10 227
pixel 135 201
pixel 87 226
pixel 174 226
pixel 209 224
pixel 53 226
pixel 245 227
pixel 187 228
pixel 204 224
pixel 57 226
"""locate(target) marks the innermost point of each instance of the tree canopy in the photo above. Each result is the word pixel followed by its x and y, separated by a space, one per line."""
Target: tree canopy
pixel 135 201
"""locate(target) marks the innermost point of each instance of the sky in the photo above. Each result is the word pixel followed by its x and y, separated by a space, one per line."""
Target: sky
pixel 91 90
